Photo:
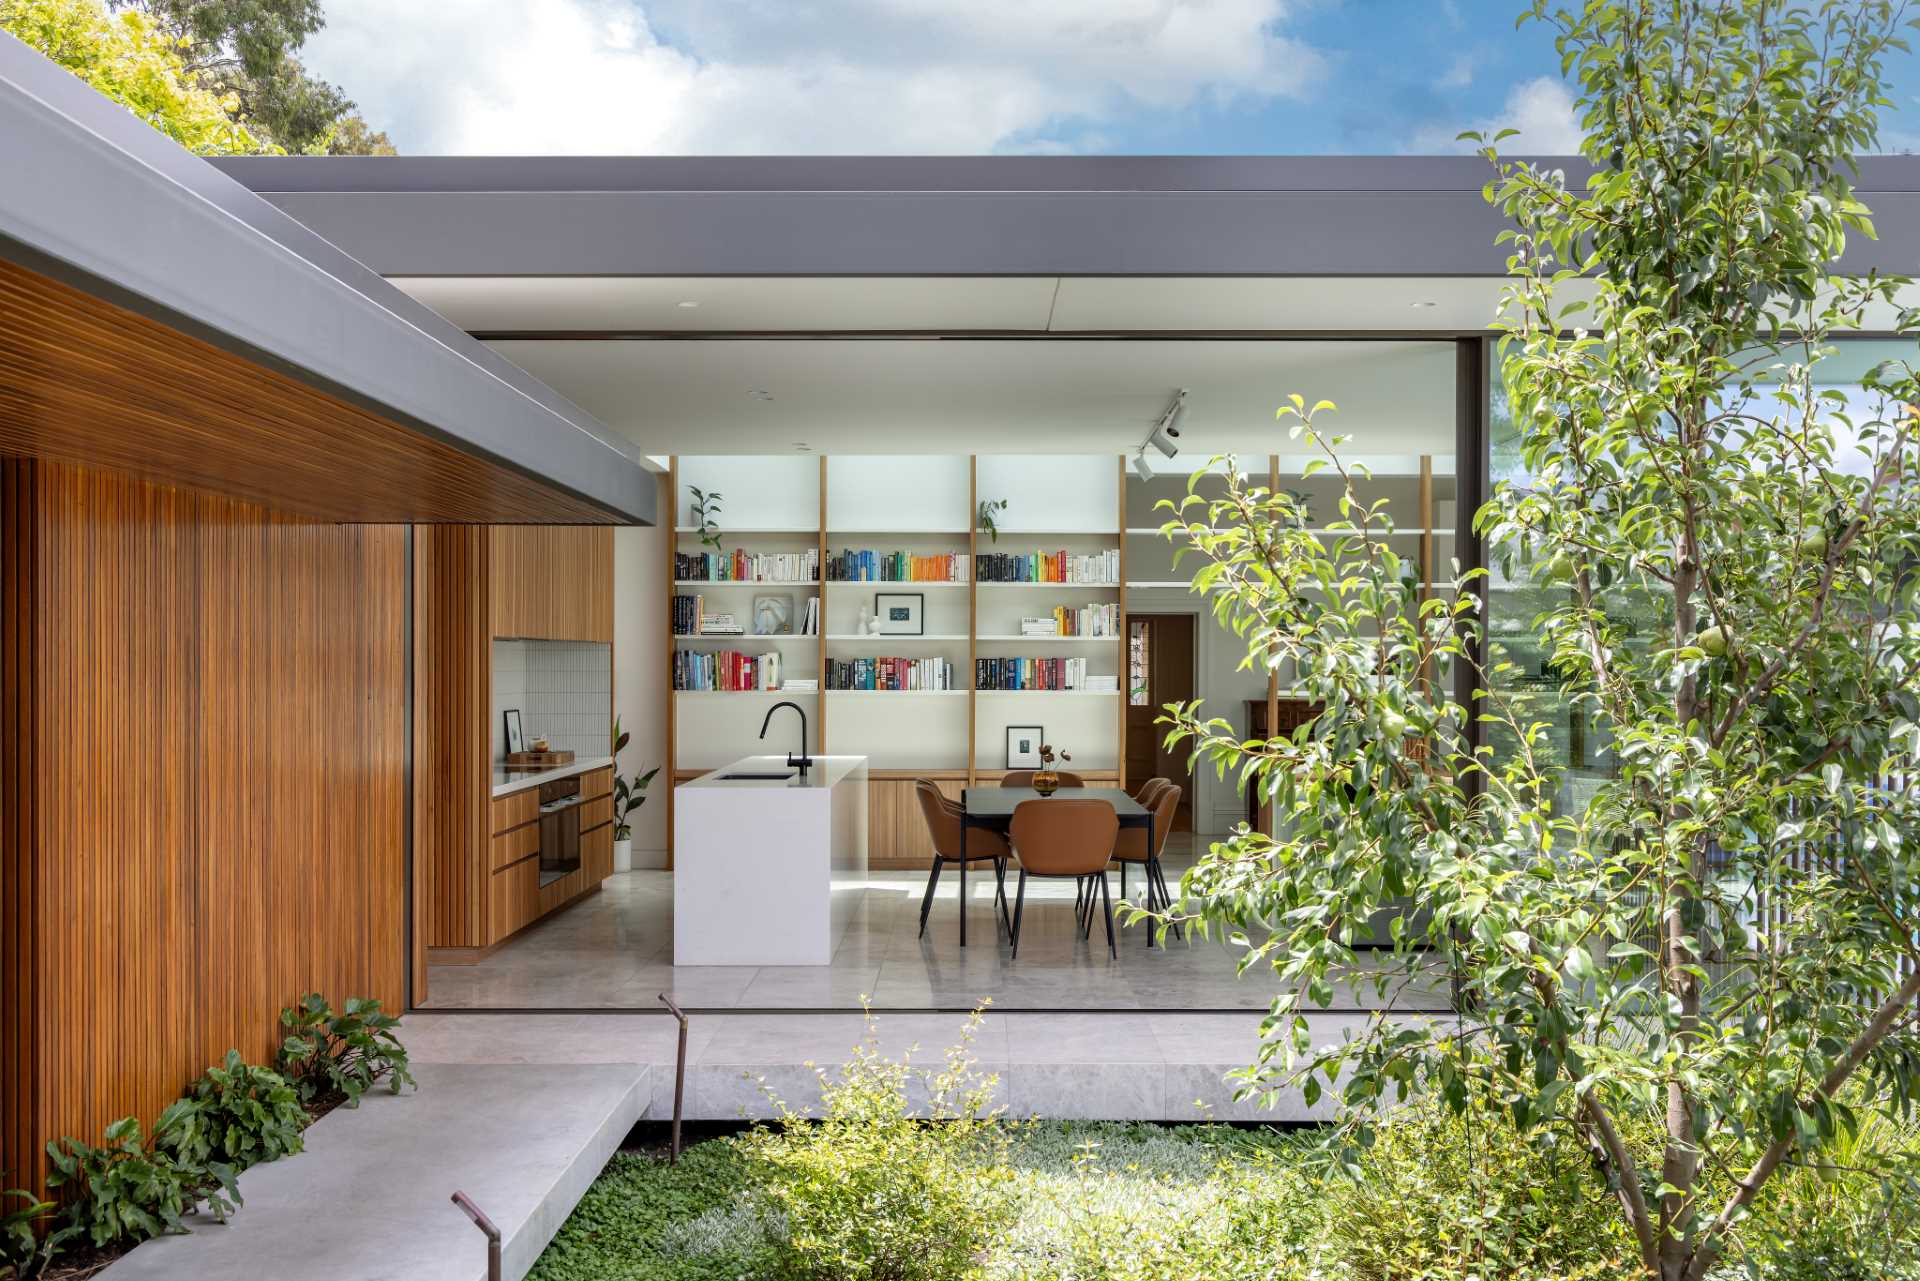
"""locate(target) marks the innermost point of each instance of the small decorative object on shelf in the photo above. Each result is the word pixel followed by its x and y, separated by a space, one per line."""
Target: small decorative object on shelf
pixel 900 613
pixel 1046 779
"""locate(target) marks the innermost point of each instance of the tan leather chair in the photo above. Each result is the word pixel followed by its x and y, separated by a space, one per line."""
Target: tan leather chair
pixel 1062 838
pixel 944 827
pixel 1138 846
pixel 1024 778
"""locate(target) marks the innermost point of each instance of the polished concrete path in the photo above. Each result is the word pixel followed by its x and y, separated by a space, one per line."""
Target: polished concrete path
pixel 369 1198
pixel 614 950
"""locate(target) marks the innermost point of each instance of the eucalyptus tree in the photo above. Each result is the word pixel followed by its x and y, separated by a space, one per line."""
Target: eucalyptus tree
pixel 1708 966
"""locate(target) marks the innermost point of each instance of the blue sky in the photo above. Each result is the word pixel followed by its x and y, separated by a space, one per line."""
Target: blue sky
pixel 957 76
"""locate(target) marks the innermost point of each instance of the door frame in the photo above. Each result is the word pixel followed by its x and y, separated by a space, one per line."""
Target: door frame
pixel 1205 634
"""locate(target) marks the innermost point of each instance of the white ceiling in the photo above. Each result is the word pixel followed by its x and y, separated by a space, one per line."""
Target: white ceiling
pixel 1037 304
pixel 879 396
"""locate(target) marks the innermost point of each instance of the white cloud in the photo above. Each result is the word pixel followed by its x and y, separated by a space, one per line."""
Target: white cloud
pixel 779 76
pixel 1542 109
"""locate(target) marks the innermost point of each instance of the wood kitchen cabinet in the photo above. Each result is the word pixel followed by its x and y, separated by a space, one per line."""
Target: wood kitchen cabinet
pixel 476 872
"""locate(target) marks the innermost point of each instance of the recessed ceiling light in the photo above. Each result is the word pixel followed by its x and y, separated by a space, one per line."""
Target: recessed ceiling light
pixel 689 304
pixel 1423 303
pixel 759 393
pixel 802 446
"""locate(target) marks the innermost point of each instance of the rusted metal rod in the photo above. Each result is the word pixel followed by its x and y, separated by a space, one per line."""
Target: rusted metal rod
pixel 481 1221
pixel 679 1076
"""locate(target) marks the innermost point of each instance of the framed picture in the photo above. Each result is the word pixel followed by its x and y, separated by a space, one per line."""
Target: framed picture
pixel 516 741
pixel 773 614
pixel 901 613
pixel 1023 746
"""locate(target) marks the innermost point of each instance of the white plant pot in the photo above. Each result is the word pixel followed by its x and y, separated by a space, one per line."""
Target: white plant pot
pixel 623 856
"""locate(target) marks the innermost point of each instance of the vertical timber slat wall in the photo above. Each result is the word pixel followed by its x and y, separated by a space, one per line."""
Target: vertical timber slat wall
pixel 204 784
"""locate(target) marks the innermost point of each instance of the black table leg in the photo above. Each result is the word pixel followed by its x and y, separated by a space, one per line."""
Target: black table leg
pixel 964 848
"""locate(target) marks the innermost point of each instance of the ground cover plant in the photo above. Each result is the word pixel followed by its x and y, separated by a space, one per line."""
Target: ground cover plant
pixel 874 1187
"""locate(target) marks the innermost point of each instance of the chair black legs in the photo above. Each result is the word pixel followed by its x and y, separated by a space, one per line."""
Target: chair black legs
pixel 1106 904
pixel 1019 909
pixel 926 903
pixel 1000 890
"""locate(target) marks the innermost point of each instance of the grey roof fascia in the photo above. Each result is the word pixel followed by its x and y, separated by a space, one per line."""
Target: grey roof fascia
pixel 968 215
pixel 101 200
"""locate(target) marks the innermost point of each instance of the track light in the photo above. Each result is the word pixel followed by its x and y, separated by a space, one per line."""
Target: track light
pixel 1167 430
pixel 1141 467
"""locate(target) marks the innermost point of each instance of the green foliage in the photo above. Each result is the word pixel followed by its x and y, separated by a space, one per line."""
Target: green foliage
pixel 989 516
pixel 130 59
pixel 1726 934
pixel 338 1056
pixel 628 794
pixel 706 512
pixel 1444 1194
pixel 644 1218
pixel 24 1253
pixel 128 1188
pixel 243 1115
pixel 244 52
pixel 903 1176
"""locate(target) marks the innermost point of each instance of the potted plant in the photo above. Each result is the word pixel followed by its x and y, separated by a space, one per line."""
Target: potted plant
pixel 628 796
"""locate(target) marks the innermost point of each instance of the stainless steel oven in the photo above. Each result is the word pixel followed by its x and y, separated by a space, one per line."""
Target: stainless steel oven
pixel 559 828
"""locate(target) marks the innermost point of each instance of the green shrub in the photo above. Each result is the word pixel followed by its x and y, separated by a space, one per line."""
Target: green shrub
pixel 1854 1216
pixel 243 1115
pixel 23 1253
pixel 1444 1196
pixel 872 1192
pixel 331 1056
pixel 129 1189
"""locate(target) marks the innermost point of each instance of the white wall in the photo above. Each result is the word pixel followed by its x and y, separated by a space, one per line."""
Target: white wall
pixel 640 691
pixel 561 689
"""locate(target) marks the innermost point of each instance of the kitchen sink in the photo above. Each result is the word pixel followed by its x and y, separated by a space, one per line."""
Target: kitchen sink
pixel 784 777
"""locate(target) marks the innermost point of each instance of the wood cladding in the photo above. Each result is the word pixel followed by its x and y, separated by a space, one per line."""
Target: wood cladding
pixel 203 778
pixel 86 382
pixel 552 583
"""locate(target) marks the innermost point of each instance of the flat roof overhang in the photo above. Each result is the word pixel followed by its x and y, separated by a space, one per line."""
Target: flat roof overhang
pixel 1240 216
pixel 158 317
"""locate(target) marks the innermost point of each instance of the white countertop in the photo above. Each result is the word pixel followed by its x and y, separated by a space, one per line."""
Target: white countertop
pixel 826 771
pixel 506 782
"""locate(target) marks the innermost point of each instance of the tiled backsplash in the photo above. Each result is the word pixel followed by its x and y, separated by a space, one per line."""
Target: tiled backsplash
pixel 564 689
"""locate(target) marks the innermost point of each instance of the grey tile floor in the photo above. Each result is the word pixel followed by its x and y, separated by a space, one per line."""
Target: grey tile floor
pixel 615 951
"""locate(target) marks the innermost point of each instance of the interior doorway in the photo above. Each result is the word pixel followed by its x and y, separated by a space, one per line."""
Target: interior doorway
pixel 1160 670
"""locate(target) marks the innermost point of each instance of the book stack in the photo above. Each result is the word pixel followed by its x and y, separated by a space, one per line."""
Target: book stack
pixel 720 625
pixel 890 673
pixel 1031 673
pixel 869 566
pixel 725 671
pixel 686 615
pixel 1100 569
pixel 1087 620
pixel 740 566
pixel 810 625
pixel 801 686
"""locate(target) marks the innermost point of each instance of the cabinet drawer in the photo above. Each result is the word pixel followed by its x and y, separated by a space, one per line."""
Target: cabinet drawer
pixel 597 782
pixel 595 812
pixel 520 807
pixel 511 847
pixel 513 899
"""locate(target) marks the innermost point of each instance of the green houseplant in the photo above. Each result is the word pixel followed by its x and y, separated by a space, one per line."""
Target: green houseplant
pixel 1702 969
pixel 629 794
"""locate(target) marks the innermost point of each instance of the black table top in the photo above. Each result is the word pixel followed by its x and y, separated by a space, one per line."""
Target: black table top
pixel 999 802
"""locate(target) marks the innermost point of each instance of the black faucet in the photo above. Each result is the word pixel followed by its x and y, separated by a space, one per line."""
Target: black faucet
pixel 802 762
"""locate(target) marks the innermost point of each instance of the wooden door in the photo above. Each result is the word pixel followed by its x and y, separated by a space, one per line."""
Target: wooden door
pixel 1160 670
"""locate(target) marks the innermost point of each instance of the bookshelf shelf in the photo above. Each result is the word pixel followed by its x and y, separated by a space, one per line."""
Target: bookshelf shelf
pixel 1056 587
pixel 728 531
pixel 1048 693
pixel 875 584
pixel 897 693
pixel 850 637
pixel 745 582
pixel 747 638
pixel 743 693
pixel 999 638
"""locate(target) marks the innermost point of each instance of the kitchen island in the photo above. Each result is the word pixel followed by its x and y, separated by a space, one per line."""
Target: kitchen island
pixel 769 864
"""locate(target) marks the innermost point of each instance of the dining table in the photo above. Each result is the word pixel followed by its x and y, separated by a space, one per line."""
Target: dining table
pixel 992 808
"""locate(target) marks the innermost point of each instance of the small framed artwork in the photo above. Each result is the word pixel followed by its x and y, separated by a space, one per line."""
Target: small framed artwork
pixel 901 613
pixel 1023 746
pixel 773 614
pixel 516 740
